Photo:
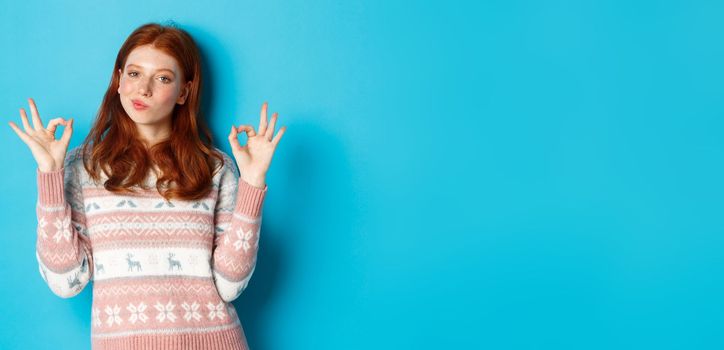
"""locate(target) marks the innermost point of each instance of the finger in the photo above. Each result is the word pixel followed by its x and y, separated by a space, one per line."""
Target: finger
pixel 53 124
pixel 262 117
pixel 35 147
pixel 249 130
pixel 233 140
pixel 36 117
pixel 270 130
pixel 26 123
pixel 65 139
pixel 17 130
pixel 23 136
pixel 235 131
pixel 278 136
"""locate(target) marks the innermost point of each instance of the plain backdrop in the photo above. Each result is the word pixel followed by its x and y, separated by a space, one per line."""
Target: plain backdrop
pixel 455 175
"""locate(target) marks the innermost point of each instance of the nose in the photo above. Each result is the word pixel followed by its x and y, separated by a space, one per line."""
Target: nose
pixel 144 88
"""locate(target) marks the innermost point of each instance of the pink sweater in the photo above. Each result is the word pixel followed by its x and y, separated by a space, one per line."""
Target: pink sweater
pixel 164 272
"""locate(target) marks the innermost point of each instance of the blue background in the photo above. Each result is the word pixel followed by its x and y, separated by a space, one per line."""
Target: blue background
pixel 470 175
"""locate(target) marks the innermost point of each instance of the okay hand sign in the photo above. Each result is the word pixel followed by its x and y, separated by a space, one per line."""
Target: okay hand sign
pixel 254 158
pixel 47 151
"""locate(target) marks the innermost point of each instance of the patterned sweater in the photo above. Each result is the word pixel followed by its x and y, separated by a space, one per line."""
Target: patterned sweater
pixel 164 272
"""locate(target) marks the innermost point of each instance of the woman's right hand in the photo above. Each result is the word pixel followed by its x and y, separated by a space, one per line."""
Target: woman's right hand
pixel 48 152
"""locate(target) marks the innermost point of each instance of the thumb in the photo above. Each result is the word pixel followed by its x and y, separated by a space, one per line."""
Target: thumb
pixel 233 140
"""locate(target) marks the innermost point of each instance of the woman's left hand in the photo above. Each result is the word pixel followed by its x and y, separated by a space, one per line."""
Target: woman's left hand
pixel 254 158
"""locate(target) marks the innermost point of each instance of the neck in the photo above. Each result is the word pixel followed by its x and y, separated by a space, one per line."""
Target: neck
pixel 153 134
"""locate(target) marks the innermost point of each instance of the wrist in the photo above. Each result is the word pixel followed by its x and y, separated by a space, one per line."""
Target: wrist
pixel 254 180
pixel 47 169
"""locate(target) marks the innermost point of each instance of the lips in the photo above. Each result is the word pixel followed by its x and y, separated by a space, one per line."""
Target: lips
pixel 139 105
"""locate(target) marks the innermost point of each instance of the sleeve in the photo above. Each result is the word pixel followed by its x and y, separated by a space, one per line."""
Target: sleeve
pixel 63 249
pixel 237 222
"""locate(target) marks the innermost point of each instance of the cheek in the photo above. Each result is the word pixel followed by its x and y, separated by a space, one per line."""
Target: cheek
pixel 167 94
pixel 125 88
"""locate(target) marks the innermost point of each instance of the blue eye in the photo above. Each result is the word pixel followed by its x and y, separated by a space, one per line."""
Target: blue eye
pixel 130 74
pixel 167 79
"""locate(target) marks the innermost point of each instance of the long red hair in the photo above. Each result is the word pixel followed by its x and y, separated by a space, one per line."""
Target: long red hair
pixel 185 159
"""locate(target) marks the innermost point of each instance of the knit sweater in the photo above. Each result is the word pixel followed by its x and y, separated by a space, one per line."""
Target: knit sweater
pixel 164 272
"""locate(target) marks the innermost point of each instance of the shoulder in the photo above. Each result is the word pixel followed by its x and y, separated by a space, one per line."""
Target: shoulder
pixel 75 172
pixel 74 153
pixel 228 163
pixel 75 166
pixel 74 157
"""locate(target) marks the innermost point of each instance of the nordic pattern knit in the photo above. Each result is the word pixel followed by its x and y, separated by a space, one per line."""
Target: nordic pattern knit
pixel 164 272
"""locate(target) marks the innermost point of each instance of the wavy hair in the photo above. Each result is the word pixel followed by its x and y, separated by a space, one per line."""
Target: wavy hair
pixel 185 159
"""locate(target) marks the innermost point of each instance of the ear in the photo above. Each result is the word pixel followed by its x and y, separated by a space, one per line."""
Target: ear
pixel 185 94
pixel 119 83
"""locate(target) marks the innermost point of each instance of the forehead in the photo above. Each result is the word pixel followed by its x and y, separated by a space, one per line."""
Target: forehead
pixel 150 58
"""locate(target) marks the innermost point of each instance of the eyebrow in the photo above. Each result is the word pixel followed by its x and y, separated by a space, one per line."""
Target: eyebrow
pixel 135 65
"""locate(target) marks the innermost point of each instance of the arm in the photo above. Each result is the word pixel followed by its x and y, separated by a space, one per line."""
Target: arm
pixel 63 248
pixel 238 223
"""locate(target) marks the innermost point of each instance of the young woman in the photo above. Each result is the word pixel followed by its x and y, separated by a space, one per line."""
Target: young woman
pixel 147 208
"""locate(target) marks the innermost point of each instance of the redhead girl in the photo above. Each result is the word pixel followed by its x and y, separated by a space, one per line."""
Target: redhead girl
pixel 163 223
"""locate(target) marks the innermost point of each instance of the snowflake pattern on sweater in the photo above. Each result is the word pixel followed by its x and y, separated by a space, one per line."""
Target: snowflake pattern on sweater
pixel 163 272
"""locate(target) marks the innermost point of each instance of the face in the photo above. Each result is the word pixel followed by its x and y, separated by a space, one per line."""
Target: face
pixel 151 78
